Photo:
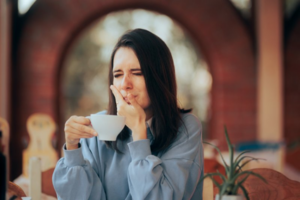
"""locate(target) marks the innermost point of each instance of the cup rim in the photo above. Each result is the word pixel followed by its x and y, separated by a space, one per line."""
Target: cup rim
pixel 106 115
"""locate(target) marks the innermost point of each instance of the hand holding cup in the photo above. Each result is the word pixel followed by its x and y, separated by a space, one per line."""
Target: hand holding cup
pixel 77 127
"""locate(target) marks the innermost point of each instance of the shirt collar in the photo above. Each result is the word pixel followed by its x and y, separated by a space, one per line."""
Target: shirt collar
pixel 149 122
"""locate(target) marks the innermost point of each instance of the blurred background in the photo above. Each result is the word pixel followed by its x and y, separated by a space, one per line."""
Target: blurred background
pixel 237 64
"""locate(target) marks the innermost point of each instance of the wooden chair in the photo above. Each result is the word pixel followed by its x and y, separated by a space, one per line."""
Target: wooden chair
pixel 47 185
pixel 4 127
pixel 39 158
pixel 13 190
pixel 278 187
pixel 40 128
pixel 40 182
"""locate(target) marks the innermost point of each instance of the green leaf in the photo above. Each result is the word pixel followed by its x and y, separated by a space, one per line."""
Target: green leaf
pixel 226 166
pixel 231 152
pixel 236 164
pixel 239 168
pixel 234 191
pixel 245 192
pixel 213 174
pixel 230 147
pixel 222 176
pixel 242 153
pixel 215 182
pixel 223 188
pixel 226 188
pixel 240 160
pixel 249 172
pixel 259 176
pixel 256 159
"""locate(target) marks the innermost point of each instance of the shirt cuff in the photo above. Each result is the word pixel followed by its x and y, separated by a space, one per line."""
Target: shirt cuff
pixel 73 157
pixel 139 149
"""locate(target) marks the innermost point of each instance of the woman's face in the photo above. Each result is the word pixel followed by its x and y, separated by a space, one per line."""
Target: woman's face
pixel 128 78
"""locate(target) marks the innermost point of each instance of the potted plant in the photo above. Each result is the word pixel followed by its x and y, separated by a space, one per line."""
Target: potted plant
pixel 235 176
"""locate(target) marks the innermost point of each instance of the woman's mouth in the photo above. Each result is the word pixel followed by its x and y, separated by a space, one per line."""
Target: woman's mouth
pixel 127 99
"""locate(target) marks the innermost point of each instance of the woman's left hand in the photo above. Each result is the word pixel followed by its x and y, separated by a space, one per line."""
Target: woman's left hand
pixel 134 113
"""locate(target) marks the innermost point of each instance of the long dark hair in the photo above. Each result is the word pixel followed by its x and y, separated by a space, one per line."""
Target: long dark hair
pixel 158 69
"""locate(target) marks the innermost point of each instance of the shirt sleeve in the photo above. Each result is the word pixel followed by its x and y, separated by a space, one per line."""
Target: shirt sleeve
pixel 75 178
pixel 173 175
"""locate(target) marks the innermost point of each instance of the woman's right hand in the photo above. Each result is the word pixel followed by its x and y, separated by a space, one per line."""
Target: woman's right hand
pixel 77 127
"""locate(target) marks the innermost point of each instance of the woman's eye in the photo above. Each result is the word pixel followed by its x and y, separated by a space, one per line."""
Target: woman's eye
pixel 117 75
pixel 138 74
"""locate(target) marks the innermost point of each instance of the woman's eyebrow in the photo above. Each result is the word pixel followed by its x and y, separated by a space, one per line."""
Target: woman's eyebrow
pixel 133 70
pixel 117 70
pixel 136 69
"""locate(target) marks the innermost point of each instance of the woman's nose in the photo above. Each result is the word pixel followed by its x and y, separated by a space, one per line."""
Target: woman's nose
pixel 126 83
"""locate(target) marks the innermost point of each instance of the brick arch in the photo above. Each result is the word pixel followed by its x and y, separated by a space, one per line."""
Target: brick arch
pixel 215 26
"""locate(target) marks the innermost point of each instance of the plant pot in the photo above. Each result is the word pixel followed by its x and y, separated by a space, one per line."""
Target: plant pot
pixel 230 197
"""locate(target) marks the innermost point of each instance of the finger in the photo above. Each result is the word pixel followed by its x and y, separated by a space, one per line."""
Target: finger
pixel 132 101
pixel 117 94
pixel 73 131
pixel 83 128
pixel 76 134
pixel 80 120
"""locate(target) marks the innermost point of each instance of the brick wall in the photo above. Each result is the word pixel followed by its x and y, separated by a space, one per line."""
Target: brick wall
pixel 52 26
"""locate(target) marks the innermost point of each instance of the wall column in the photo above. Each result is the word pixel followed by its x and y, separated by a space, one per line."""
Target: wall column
pixel 270 72
pixel 5 32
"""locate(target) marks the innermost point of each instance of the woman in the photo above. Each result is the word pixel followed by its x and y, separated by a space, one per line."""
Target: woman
pixel 158 155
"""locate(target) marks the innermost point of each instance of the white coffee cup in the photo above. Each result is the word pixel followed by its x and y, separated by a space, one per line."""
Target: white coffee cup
pixel 107 126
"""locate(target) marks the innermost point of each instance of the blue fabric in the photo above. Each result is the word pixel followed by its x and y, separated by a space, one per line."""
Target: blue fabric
pixel 258 146
pixel 94 171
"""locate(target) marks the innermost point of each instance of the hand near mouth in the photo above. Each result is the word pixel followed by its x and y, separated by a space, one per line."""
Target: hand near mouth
pixel 134 113
pixel 127 99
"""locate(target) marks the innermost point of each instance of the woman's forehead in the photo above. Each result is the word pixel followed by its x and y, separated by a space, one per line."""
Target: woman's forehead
pixel 125 58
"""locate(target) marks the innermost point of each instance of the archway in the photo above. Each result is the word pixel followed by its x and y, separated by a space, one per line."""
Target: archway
pixel 84 80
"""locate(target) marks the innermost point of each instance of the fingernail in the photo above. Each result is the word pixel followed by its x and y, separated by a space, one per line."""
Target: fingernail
pixel 95 133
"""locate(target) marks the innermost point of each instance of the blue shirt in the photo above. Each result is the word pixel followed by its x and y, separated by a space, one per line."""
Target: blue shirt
pixel 94 171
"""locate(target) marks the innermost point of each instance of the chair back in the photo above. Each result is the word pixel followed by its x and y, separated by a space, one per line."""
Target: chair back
pixel 4 128
pixel 41 128
pixel 47 185
pixel 14 191
pixel 278 186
